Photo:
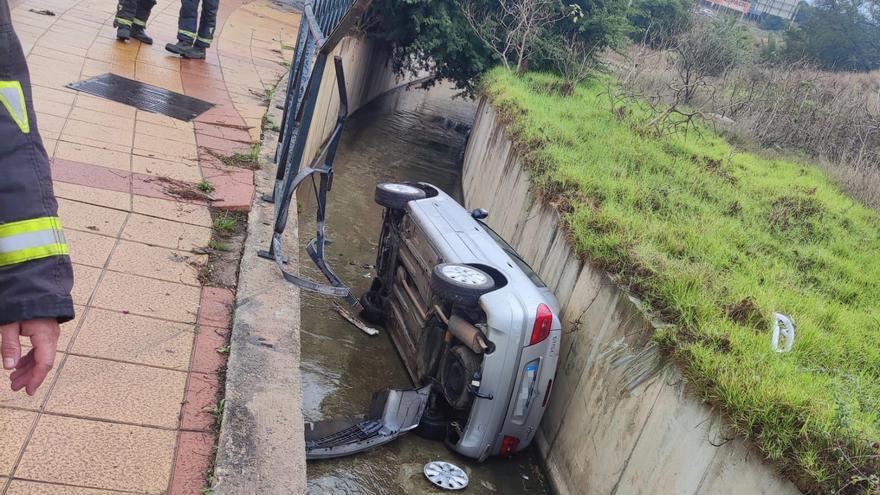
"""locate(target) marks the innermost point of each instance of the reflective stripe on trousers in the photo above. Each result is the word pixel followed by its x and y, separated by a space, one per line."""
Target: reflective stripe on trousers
pixel 32 239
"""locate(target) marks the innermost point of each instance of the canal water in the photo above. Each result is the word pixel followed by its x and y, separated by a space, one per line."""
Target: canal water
pixel 405 135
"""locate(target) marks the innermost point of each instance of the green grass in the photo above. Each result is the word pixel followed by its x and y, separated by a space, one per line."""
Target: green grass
pixel 225 224
pixel 714 241
pixel 205 186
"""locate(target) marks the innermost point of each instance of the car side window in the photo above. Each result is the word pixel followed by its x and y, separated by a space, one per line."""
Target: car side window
pixel 513 255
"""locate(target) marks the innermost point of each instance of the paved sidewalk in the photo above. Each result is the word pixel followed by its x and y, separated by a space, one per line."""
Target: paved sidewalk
pixel 128 407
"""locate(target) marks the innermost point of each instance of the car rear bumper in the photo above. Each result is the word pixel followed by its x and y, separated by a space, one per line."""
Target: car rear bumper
pixel 502 376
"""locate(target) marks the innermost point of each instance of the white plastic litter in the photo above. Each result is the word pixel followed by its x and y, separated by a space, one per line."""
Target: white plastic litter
pixel 783 328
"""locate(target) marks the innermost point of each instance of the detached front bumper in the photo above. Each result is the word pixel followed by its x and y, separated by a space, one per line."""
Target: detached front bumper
pixel 392 413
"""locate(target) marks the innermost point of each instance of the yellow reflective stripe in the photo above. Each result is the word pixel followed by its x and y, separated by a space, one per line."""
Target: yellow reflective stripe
pixel 139 22
pixel 12 97
pixel 187 33
pixel 33 253
pixel 31 225
pixel 123 22
pixel 205 40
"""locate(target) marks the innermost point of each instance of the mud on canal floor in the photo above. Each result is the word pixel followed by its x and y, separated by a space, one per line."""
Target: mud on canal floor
pixel 405 135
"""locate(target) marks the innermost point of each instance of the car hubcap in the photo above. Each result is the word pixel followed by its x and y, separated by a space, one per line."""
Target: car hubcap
pixel 445 475
pixel 402 188
pixel 464 275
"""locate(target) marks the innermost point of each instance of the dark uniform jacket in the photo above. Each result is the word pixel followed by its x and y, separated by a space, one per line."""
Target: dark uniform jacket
pixel 35 272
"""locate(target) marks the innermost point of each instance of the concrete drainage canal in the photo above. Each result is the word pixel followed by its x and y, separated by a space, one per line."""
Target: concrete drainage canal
pixel 405 135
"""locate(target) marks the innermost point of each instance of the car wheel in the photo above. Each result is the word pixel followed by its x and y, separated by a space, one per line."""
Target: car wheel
pixel 459 366
pixel 433 425
pixel 396 196
pixel 460 284
pixel 371 301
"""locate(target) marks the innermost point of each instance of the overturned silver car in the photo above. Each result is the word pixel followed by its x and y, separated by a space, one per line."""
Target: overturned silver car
pixel 470 319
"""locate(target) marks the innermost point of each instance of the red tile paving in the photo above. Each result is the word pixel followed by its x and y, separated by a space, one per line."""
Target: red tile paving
pixel 130 404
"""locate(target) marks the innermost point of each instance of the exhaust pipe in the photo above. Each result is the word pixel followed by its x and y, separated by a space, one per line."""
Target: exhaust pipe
pixel 470 335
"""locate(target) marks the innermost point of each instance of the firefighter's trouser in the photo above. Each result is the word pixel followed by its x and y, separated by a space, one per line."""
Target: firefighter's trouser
pixel 133 13
pixel 35 271
pixel 187 30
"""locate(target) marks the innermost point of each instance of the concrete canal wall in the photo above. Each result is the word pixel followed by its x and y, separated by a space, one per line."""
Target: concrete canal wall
pixel 620 420
pixel 368 74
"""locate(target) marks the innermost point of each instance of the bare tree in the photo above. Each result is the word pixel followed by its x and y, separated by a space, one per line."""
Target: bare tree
pixel 709 49
pixel 511 28
pixel 575 61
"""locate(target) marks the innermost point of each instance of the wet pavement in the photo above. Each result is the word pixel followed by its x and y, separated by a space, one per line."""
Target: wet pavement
pixel 411 135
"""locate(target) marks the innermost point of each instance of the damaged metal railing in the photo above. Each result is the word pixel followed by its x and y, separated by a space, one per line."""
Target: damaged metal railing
pixel 324 24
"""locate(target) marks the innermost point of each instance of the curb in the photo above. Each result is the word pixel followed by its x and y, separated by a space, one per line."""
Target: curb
pixel 262 447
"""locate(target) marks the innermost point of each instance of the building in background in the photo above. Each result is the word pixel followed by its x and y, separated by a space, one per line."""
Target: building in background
pixel 785 9
pixel 739 7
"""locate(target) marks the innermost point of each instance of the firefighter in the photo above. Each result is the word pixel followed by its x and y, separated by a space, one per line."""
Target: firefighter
pixel 35 271
pixel 131 20
pixel 193 40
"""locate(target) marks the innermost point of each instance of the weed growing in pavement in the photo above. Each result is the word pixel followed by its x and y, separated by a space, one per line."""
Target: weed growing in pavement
pixel 268 124
pixel 205 186
pixel 219 245
pixel 225 224
pixel 715 241
pixel 224 349
pixel 250 159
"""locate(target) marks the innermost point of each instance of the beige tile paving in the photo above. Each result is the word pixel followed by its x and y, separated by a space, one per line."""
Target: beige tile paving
pixel 172 210
pixel 136 339
pixel 14 427
pixel 89 249
pixel 95 155
pixel 92 195
pixel 148 297
pixel 20 487
pixel 184 170
pixel 90 218
pixel 157 262
pixel 166 233
pixel 98 454
pixel 85 279
pixel 122 392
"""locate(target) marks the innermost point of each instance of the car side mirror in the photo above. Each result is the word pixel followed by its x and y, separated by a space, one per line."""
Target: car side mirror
pixel 479 213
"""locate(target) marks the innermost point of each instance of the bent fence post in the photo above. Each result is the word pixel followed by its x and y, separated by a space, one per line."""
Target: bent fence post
pixel 313 46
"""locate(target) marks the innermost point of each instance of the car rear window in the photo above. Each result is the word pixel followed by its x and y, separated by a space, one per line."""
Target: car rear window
pixel 514 256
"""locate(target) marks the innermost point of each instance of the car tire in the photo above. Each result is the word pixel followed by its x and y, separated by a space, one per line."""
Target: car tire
pixel 460 284
pixel 372 312
pixel 457 369
pixel 395 196
pixel 432 425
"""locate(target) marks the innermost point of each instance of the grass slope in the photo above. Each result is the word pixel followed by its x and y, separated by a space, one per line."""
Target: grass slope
pixel 715 241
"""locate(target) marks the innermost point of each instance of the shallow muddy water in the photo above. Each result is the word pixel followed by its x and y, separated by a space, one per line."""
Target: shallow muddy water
pixel 411 135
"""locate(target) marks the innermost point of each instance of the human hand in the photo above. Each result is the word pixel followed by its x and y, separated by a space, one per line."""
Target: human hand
pixel 30 370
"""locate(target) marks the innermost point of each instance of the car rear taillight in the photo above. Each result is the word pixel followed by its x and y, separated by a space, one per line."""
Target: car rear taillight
pixel 547 393
pixel 509 445
pixel 543 322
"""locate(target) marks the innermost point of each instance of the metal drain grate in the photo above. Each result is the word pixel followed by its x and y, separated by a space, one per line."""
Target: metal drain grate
pixel 143 96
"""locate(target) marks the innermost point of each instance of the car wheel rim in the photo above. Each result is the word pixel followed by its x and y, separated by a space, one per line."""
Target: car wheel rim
pixel 401 188
pixel 464 275
pixel 445 475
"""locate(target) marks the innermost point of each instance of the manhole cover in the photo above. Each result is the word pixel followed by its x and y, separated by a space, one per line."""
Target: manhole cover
pixel 445 475
pixel 143 96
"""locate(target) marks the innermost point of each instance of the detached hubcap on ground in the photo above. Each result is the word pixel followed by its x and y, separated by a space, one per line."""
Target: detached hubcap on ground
pixel 445 475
